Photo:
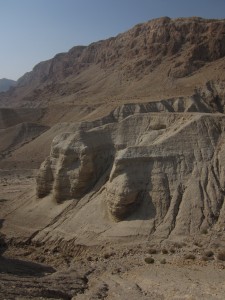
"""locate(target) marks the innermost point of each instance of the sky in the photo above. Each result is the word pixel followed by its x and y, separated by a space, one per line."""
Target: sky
pixel 36 30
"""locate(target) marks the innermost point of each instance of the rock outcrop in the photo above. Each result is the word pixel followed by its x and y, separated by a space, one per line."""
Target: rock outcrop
pixel 171 162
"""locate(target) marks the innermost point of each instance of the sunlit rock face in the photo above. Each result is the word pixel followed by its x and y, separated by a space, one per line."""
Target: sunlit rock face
pixel 174 162
pixel 74 166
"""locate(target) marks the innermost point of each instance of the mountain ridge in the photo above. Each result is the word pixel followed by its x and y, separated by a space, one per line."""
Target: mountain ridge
pixel 163 49
pixel 5 84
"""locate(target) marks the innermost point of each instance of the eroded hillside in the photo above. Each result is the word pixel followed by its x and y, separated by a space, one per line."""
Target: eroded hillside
pixel 108 150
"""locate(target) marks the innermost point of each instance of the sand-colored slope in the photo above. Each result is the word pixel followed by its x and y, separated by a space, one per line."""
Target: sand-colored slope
pixel 16 136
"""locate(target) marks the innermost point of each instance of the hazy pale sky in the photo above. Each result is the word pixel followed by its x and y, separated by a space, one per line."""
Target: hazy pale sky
pixel 35 30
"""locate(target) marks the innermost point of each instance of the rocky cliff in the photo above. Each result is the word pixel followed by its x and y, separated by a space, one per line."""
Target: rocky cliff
pixel 132 64
pixel 165 169
pixel 196 41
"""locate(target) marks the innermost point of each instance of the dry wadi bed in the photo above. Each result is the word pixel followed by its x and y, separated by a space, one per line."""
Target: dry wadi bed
pixel 181 270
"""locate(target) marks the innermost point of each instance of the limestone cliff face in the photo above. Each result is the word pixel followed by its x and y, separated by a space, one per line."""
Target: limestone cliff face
pixel 75 165
pixel 141 49
pixel 180 173
pixel 171 163
pixel 55 69
pixel 161 50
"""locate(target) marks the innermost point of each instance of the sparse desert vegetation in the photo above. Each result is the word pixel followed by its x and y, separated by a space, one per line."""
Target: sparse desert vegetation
pixel 190 256
pixel 149 260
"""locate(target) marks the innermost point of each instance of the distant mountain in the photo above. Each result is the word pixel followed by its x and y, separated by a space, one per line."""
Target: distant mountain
pixel 159 59
pixel 5 84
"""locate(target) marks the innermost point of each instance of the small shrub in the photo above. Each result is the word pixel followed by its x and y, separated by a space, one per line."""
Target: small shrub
pixel 172 250
pixel 149 260
pixel 204 231
pixel 221 255
pixel 198 244
pixel 163 261
pixel 190 256
pixel 215 245
pixel 107 255
pixel 152 251
pixel 206 258
pixel 40 259
pixel 89 258
pixel 158 126
pixel 164 251
pixel 178 245
pixel 209 253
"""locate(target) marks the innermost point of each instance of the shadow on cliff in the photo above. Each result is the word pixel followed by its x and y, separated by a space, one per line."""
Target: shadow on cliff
pixel 145 210
pixel 3 244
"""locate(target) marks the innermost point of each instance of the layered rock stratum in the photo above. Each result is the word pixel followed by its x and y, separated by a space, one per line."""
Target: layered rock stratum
pixel 153 167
